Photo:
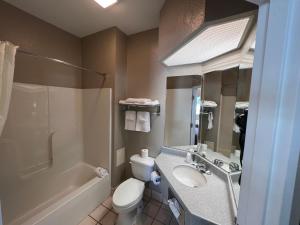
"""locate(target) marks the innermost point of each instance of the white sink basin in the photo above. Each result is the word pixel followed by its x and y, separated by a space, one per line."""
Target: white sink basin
pixel 189 176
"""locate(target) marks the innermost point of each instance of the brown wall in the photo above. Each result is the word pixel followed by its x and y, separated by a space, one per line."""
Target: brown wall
pixel 99 53
pixel 145 80
pixel 106 51
pixel 244 85
pixel 34 35
pixel 178 20
pixel 177 82
pixel 212 92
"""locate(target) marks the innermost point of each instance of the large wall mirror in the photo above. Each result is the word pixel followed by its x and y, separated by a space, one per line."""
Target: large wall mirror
pixel 182 110
pixel 208 113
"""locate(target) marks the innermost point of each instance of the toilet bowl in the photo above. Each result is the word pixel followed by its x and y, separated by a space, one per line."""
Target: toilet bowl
pixel 127 198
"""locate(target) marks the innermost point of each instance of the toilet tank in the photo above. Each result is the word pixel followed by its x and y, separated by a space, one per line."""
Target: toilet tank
pixel 141 167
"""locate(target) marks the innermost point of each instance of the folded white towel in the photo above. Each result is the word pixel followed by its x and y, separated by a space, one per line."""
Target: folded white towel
pixel 138 100
pixel 151 103
pixel 211 104
pixel 101 172
pixel 143 122
pixel 241 105
pixel 130 120
pixel 174 206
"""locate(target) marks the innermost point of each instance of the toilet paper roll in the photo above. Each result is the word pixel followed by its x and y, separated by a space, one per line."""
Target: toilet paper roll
pixel 155 178
pixel 144 153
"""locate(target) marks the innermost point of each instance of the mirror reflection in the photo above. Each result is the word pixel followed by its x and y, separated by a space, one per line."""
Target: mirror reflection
pixel 207 114
pixel 183 102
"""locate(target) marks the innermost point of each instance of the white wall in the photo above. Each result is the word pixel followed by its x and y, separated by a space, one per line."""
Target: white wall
pixel 178 117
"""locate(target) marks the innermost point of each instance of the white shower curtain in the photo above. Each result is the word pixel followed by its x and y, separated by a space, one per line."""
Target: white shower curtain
pixel 7 66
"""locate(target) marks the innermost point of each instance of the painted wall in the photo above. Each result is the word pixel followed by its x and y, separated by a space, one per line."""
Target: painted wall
pixel 145 80
pixel 178 20
pixel 37 36
pixel 106 51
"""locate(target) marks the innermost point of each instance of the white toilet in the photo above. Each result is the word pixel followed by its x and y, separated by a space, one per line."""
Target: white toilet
pixel 127 198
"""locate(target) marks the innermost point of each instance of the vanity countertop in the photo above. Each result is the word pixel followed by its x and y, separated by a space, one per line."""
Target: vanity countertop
pixel 210 202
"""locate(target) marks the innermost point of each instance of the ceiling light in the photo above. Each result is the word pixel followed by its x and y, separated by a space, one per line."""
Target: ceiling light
pixel 106 3
pixel 213 41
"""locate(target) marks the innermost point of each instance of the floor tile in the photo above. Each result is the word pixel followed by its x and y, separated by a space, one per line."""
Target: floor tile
pixel 88 221
pixel 143 219
pixel 173 222
pixel 165 206
pixel 146 199
pixel 151 209
pixel 163 216
pixel 154 202
pixel 147 192
pixel 108 202
pixel 157 196
pixel 99 212
pixel 109 219
pixel 155 222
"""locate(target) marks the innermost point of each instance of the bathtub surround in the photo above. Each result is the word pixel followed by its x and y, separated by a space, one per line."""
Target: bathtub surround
pixel 36 173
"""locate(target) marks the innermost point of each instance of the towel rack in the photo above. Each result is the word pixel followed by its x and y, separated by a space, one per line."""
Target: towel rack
pixel 153 109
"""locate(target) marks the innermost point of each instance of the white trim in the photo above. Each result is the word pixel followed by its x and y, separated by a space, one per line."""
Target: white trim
pixel 258 2
pixel 272 144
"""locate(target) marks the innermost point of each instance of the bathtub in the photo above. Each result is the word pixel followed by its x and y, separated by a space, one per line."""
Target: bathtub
pixel 77 192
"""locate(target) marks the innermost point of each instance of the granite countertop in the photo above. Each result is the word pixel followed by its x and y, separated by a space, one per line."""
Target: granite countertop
pixel 210 202
pixel 212 155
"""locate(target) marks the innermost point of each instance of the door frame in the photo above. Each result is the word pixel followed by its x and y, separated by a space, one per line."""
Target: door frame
pixel 272 145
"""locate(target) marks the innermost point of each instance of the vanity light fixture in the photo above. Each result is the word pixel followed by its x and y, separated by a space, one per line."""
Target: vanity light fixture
pixel 212 41
pixel 106 3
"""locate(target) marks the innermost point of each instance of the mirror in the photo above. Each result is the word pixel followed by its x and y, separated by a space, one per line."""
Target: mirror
pixel 210 113
pixel 182 110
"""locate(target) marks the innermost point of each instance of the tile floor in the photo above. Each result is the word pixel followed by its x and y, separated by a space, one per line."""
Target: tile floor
pixel 154 213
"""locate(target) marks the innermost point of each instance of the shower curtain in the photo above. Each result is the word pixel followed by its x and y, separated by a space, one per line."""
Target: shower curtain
pixel 7 66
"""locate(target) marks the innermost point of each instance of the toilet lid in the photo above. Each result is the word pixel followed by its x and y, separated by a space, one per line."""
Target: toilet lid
pixel 128 193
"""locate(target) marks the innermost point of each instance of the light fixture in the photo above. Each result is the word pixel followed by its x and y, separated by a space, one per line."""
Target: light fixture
pixel 212 41
pixel 106 3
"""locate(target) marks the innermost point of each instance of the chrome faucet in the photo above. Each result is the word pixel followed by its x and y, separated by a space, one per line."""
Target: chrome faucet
pixel 201 167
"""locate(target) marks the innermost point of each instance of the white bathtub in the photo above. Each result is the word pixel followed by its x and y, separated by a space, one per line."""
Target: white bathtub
pixel 78 192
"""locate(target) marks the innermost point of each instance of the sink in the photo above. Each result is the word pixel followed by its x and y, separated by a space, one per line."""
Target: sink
pixel 189 176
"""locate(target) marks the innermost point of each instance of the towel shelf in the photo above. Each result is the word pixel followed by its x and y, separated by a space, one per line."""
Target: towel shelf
pixel 153 109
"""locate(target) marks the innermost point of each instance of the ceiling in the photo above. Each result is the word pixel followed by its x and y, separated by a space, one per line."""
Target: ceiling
pixel 84 17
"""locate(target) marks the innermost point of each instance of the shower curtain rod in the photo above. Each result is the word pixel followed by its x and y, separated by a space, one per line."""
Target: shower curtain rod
pixel 60 61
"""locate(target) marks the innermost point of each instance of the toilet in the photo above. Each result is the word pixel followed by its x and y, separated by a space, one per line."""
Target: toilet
pixel 127 198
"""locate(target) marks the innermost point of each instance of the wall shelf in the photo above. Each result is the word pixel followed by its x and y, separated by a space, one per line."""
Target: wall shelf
pixel 153 109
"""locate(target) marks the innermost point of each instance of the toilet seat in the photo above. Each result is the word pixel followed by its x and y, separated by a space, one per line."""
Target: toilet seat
pixel 129 193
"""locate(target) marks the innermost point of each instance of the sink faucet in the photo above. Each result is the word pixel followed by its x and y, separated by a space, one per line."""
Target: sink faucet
pixel 201 167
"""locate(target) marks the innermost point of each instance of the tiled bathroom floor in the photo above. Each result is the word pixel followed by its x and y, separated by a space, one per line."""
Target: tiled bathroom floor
pixel 154 213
